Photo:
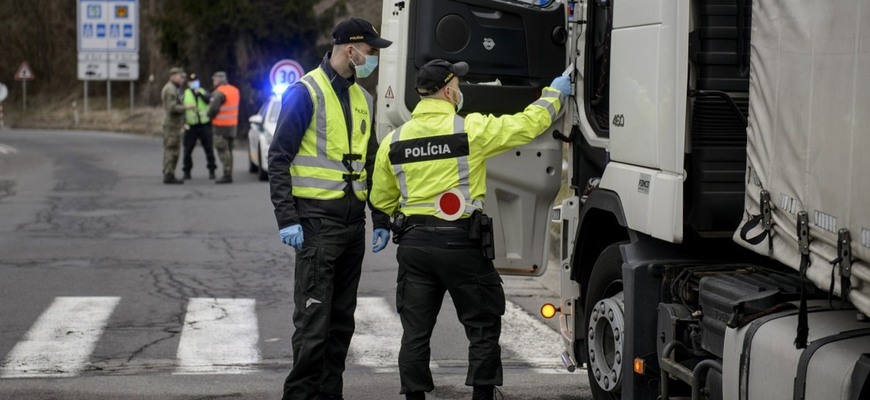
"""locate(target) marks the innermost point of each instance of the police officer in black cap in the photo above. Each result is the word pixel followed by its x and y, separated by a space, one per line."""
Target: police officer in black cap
pixel 320 192
pixel 430 174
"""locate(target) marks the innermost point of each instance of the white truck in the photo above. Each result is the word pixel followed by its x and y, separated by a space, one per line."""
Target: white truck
pixel 714 235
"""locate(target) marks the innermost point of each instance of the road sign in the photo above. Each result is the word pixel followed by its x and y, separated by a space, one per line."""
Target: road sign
pixel 3 92
pixel 108 26
pixel 108 40
pixel 24 73
pixel 285 73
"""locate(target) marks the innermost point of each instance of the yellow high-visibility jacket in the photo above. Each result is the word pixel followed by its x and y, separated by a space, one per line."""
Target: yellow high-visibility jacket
pixel 437 150
pixel 319 169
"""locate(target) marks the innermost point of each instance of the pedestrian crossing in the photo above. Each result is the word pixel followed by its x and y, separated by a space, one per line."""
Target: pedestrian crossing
pixel 221 336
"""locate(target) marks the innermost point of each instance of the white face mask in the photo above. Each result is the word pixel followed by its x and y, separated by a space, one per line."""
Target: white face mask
pixel 366 69
pixel 459 102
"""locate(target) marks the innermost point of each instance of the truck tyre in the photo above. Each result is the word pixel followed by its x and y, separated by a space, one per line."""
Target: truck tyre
pixel 605 325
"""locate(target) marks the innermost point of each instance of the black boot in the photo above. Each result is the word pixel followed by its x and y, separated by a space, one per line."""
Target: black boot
pixel 483 393
pixel 211 174
pixel 186 175
pixel 225 179
pixel 171 180
pixel 415 396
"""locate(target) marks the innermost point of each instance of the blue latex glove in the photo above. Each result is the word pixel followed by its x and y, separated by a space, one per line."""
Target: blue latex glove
pixel 292 236
pixel 379 239
pixel 562 84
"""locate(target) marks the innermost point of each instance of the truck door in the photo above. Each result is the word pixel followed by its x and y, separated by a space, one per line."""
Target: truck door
pixel 514 48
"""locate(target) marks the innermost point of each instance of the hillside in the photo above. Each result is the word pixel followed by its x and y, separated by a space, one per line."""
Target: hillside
pixel 242 38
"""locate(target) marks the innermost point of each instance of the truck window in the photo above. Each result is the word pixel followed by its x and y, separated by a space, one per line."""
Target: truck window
pixel 597 91
pixel 513 48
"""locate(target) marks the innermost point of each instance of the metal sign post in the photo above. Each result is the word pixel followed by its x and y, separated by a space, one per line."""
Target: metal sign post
pixel 24 74
pixel 3 93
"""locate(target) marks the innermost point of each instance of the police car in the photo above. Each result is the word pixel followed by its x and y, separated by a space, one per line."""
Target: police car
pixel 260 136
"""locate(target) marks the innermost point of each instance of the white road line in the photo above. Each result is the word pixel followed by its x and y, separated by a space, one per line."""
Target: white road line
pixel 6 149
pixel 528 339
pixel 61 340
pixel 220 336
pixel 378 334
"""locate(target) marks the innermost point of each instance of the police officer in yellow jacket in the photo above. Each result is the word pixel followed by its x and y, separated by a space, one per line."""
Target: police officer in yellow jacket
pixel 430 175
pixel 320 164
pixel 197 127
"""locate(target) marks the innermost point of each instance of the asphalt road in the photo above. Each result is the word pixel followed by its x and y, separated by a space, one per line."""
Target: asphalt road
pixel 114 285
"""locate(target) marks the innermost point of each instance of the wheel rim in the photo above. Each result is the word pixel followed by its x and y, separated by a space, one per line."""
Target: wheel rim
pixel 605 337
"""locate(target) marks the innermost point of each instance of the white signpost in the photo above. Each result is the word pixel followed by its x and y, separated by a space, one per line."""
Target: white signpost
pixel 24 74
pixel 3 93
pixel 108 43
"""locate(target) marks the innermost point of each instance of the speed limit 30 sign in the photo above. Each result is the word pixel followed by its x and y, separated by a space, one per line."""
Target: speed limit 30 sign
pixel 285 73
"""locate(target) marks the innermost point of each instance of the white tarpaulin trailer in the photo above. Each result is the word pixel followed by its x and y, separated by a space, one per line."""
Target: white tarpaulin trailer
pixel 809 140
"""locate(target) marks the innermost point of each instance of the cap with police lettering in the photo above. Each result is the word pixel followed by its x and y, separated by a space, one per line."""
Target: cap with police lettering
pixel 435 74
pixel 356 30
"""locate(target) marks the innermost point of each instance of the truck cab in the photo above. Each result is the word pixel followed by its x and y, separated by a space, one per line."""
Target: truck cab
pixel 712 223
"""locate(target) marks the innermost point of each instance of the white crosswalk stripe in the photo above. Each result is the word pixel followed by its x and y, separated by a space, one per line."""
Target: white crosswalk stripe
pixel 6 149
pixel 221 336
pixel 378 334
pixel 60 341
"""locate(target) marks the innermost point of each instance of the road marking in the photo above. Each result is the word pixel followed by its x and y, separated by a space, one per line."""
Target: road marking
pixel 378 334
pixel 6 149
pixel 219 336
pixel 528 339
pixel 61 340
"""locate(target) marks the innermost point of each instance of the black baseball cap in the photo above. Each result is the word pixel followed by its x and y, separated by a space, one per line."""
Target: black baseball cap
pixel 356 30
pixel 435 74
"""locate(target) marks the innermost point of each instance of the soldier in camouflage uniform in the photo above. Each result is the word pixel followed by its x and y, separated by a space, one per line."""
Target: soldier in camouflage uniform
pixel 224 113
pixel 173 123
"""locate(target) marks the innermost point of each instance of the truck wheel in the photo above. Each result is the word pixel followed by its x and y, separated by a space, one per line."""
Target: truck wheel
pixel 605 325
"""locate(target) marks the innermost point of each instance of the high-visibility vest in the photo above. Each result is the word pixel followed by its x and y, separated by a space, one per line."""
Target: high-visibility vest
pixel 228 115
pixel 199 114
pixel 438 151
pixel 327 161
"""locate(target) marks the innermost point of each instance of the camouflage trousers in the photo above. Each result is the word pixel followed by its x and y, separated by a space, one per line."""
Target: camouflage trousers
pixel 171 148
pixel 223 145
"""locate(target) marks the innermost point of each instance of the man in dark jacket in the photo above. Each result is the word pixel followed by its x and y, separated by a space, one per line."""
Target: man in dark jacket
pixel 319 170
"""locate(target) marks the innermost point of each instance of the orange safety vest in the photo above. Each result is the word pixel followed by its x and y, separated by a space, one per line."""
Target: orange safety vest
pixel 228 115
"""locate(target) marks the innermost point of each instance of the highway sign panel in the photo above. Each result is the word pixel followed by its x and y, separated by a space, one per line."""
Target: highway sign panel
pixel 24 73
pixel 285 73
pixel 93 71
pixel 108 26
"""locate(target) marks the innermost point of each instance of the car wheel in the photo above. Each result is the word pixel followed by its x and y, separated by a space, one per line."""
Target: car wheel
pixel 264 172
pixel 605 323
pixel 252 168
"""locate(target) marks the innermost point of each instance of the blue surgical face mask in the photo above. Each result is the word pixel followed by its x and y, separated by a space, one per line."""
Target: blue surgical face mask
pixel 194 85
pixel 363 71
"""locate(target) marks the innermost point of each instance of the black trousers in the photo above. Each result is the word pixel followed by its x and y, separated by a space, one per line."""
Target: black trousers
pixel 425 273
pixel 203 134
pixel 326 280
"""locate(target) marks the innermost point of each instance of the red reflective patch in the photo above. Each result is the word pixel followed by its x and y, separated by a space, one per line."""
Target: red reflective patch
pixel 449 203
